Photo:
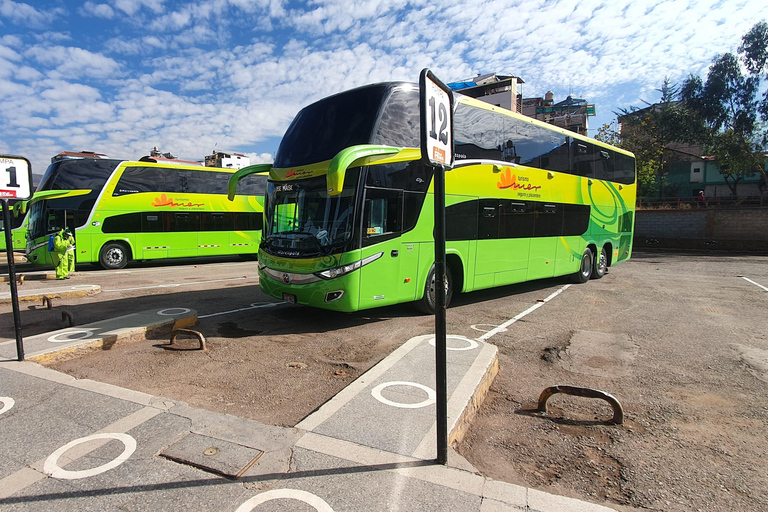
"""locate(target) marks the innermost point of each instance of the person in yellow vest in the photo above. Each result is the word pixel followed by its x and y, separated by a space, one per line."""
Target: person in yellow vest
pixel 64 253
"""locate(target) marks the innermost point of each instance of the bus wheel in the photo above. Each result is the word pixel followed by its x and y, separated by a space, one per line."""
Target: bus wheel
pixel 427 303
pixel 585 270
pixel 113 256
pixel 600 265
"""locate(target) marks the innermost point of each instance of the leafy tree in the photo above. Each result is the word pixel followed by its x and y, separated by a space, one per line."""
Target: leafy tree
pixel 727 110
pixel 651 133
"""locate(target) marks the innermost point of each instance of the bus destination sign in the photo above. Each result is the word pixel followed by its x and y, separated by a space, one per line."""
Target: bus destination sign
pixel 436 120
pixel 15 177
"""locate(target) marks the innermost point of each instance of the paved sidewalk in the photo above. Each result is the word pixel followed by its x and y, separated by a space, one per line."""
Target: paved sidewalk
pixel 82 445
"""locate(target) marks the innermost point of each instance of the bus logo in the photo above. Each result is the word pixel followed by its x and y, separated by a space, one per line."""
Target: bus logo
pixel 287 278
pixel 164 200
pixel 509 180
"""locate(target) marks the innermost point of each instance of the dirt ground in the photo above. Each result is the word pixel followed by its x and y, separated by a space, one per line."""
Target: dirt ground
pixel 248 371
pixel 681 341
pixel 684 348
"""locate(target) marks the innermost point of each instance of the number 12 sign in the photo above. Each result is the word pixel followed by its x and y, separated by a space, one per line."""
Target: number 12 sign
pixel 15 177
pixel 436 120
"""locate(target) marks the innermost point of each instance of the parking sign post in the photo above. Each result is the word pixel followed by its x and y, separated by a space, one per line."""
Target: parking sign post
pixel 15 183
pixel 437 150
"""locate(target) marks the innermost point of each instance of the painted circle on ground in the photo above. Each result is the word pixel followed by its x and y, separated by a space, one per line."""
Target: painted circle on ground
pixel 291 494
pixel 472 343
pixel 481 327
pixel 52 469
pixel 431 395
pixel 173 311
pixel 68 336
pixel 8 403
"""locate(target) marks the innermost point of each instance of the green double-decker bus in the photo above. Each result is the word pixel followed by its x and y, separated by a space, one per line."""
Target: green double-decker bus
pixel 349 205
pixel 140 210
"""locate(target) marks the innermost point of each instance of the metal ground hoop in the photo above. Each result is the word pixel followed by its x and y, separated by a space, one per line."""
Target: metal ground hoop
pixel 618 412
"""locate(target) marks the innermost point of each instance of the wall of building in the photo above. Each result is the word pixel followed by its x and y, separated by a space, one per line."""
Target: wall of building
pixel 705 228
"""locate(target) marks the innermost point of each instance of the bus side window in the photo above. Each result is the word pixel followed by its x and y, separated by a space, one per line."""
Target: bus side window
pixel 151 223
pixel 383 214
pixel 583 159
pixel 605 163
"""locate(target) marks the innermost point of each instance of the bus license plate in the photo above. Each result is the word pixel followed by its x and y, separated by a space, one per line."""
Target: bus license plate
pixel 289 297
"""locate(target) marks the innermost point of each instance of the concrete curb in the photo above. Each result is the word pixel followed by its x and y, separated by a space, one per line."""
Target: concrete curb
pixel 102 335
pixel 51 293
pixel 35 275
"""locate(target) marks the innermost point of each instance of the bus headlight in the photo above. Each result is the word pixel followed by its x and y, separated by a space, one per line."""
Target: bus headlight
pixel 333 273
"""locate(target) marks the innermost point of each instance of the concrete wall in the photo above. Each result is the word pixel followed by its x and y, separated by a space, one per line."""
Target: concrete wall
pixel 720 229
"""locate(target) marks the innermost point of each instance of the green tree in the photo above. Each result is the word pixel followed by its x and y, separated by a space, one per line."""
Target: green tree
pixel 727 109
pixel 651 133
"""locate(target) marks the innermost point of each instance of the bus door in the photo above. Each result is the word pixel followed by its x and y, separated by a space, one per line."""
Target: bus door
pixel 215 231
pixel 153 239
pixel 547 229
pixel 382 281
pixel 503 242
pixel 184 240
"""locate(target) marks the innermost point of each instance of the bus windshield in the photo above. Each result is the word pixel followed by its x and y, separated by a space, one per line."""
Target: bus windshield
pixel 322 129
pixel 303 220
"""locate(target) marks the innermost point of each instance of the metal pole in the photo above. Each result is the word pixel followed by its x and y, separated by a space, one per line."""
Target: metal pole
pixel 12 277
pixel 440 310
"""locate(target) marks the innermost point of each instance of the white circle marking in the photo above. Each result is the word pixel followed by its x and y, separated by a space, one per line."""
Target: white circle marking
pixel 8 403
pixel 52 469
pixel 431 395
pixel 292 494
pixel 68 336
pixel 173 311
pixel 472 343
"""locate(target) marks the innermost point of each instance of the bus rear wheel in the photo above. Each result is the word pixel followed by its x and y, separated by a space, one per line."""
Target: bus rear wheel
pixel 585 270
pixel 427 303
pixel 600 265
pixel 113 256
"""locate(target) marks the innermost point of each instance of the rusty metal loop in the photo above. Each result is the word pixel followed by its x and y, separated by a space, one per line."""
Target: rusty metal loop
pixel 66 315
pixel 618 412
pixel 47 300
pixel 188 332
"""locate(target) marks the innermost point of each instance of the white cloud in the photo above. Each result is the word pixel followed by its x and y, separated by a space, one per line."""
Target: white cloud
pixel 73 62
pixel 131 7
pixel 97 10
pixel 191 74
pixel 24 14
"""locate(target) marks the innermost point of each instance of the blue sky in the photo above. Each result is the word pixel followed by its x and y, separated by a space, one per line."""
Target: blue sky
pixel 121 76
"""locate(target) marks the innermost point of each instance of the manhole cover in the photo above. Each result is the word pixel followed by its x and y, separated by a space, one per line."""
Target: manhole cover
pixel 214 455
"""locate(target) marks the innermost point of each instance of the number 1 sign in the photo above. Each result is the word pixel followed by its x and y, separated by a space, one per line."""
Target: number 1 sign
pixel 15 177
pixel 436 120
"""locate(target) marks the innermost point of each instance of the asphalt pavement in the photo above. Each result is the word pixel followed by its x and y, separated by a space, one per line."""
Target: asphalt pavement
pixel 72 444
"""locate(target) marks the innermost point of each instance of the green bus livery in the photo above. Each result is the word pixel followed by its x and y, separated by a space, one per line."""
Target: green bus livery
pixel 140 210
pixel 18 228
pixel 349 205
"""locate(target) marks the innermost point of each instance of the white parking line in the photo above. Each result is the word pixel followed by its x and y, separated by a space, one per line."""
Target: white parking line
pixel 754 283
pixel 175 285
pixel 503 327
pixel 252 306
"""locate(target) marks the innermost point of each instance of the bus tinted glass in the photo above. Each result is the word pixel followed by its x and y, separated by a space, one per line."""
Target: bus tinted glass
pixel 488 135
pixel 399 122
pixel 319 131
pixel 77 174
pixel 156 179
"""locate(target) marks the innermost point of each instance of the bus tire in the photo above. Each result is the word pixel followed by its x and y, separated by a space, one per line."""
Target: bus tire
pixel 427 303
pixel 600 265
pixel 113 256
pixel 585 269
